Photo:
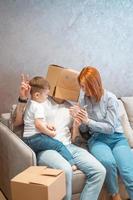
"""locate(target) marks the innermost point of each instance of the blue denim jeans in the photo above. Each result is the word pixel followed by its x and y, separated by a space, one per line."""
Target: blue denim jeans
pixel 113 151
pixel 41 142
pixel 93 169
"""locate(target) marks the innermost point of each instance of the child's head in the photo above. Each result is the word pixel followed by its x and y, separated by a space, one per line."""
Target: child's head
pixel 39 89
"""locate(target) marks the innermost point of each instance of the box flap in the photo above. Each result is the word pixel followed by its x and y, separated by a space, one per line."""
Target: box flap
pixel 36 170
pixel 51 172
pixel 38 175
pixel 52 76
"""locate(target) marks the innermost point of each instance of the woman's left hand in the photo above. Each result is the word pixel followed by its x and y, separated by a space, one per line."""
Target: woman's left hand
pixel 83 116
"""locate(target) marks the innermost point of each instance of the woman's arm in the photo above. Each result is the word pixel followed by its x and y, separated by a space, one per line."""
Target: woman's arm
pixel 108 123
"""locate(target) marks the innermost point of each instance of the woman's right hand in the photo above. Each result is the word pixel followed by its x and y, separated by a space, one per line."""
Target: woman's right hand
pixel 24 89
pixel 73 110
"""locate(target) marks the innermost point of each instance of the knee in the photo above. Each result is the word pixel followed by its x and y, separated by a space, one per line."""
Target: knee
pixel 101 171
pixel 98 171
pixel 109 164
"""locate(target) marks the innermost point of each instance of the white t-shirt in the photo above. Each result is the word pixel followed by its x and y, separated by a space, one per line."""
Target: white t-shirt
pixel 58 115
pixel 34 110
pixel 53 113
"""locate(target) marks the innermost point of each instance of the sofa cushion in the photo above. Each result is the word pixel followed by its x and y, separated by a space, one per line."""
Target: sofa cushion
pixel 5 118
pixel 78 185
pixel 128 131
pixel 128 103
pixel 19 129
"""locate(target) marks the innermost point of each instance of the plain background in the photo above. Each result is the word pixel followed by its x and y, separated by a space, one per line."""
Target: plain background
pixel 70 33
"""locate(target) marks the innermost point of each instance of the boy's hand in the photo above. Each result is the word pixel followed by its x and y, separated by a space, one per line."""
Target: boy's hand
pixel 52 133
pixel 51 127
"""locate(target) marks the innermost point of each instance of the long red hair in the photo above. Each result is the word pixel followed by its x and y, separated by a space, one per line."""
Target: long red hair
pixel 90 76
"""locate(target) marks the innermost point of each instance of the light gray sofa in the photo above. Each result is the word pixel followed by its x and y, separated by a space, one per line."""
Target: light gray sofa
pixel 15 155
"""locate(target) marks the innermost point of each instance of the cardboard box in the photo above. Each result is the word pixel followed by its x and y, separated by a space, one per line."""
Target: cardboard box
pixel 39 183
pixel 63 83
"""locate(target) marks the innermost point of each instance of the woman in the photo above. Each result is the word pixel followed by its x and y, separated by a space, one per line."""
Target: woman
pixel 107 143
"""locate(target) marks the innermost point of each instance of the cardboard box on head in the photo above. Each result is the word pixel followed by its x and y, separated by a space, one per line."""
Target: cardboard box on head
pixel 63 83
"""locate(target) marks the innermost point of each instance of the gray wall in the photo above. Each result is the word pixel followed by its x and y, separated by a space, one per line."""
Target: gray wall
pixel 72 33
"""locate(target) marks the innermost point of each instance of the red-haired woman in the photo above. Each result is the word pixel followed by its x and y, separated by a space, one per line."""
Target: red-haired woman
pixel 107 143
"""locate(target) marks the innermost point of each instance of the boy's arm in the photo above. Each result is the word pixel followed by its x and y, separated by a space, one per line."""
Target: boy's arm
pixel 43 128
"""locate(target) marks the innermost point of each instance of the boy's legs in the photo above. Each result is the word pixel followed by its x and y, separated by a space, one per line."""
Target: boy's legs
pixel 42 142
pixel 54 160
pixel 93 170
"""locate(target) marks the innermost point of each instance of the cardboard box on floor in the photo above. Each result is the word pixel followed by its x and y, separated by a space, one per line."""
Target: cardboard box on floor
pixel 39 183
pixel 63 83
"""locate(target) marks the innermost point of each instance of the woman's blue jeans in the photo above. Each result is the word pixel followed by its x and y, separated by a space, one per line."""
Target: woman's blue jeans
pixel 40 142
pixel 115 154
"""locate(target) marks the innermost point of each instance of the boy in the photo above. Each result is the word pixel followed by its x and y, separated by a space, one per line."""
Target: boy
pixel 37 133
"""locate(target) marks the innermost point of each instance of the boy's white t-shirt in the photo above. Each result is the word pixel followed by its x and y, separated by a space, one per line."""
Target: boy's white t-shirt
pixel 53 113
pixel 34 110
pixel 58 115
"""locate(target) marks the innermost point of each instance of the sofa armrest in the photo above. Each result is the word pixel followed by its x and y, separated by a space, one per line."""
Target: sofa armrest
pixel 5 118
pixel 15 156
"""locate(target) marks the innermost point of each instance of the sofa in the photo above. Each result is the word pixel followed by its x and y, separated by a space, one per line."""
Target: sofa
pixel 15 155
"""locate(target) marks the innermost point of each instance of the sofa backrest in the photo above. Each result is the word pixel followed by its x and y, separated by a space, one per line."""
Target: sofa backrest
pixel 128 104
pixel 128 131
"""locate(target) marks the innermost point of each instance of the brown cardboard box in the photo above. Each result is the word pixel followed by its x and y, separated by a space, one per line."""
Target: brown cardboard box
pixel 39 183
pixel 63 83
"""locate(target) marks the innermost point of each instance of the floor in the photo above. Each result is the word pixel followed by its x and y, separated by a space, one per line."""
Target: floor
pixel 1 196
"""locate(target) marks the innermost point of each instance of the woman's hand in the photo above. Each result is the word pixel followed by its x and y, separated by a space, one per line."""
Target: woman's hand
pixel 24 89
pixel 78 114
pixel 82 116
pixel 74 111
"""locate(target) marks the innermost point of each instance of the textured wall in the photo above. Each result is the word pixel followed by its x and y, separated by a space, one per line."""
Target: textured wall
pixel 35 33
